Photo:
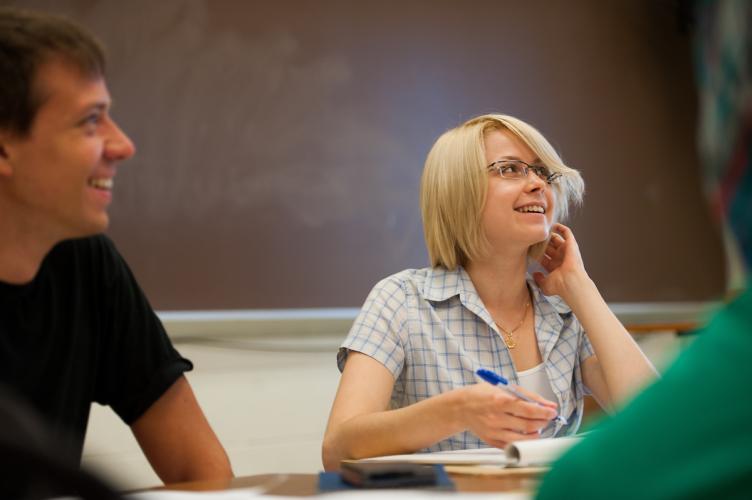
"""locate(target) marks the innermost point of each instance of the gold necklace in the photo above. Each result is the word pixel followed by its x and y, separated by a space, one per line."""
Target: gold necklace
pixel 508 335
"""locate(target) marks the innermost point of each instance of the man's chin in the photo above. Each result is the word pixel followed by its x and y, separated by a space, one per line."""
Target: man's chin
pixel 92 227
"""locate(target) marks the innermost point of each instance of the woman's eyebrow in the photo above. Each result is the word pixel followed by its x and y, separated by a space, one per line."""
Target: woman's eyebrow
pixel 536 161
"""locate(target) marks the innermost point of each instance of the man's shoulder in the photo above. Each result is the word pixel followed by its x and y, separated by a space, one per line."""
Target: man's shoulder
pixel 91 261
pixel 98 243
pixel 93 250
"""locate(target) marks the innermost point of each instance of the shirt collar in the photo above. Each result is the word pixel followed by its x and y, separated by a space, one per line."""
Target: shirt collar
pixel 443 284
pixel 553 301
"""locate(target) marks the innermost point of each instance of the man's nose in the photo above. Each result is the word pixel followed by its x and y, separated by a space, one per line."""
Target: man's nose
pixel 119 146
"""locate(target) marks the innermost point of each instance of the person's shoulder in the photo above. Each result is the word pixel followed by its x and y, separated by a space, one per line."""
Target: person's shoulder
pixel 94 256
pixel 99 243
pixel 738 312
pixel 84 251
pixel 407 279
pixel 727 333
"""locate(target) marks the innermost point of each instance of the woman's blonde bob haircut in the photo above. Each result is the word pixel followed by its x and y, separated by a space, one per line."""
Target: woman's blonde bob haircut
pixel 455 181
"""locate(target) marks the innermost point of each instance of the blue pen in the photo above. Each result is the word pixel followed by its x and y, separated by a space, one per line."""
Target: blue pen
pixel 496 379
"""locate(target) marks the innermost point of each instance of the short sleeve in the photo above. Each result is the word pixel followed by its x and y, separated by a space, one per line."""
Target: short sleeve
pixel 379 329
pixel 137 362
pixel 586 348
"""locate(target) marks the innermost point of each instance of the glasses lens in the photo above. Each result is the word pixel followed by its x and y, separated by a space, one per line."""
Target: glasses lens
pixel 541 171
pixel 512 169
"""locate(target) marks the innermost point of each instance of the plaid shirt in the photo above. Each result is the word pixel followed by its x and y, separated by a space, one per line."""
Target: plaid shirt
pixel 430 329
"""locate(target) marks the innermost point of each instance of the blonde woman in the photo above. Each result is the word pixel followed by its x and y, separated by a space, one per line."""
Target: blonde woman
pixel 492 193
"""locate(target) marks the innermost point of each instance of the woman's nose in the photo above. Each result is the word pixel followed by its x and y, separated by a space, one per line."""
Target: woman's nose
pixel 533 182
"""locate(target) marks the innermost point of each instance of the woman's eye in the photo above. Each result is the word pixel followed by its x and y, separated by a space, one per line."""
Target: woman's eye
pixel 509 170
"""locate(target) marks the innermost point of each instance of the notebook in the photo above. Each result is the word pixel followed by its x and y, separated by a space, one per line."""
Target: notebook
pixel 535 452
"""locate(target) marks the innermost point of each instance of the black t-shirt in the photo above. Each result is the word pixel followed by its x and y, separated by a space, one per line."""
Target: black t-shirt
pixel 82 331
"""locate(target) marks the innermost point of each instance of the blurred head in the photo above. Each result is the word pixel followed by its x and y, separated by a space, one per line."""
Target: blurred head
pixel 455 184
pixel 28 40
pixel 724 75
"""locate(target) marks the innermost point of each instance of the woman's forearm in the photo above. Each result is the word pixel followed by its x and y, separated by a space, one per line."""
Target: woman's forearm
pixel 624 366
pixel 390 432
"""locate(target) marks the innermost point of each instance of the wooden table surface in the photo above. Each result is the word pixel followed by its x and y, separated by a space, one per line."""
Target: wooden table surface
pixel 306 484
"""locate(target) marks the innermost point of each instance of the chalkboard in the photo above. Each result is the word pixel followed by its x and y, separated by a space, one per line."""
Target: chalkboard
pixel 280 144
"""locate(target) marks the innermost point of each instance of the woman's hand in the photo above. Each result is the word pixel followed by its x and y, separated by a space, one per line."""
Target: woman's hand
pixel 499 418
pixel 562 260
pixel 618 369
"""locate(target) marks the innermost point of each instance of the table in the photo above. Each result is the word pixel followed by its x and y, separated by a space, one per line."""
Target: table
pixel 305 484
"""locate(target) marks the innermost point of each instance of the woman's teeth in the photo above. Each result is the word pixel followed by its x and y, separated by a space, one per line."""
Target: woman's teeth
pixel 532 208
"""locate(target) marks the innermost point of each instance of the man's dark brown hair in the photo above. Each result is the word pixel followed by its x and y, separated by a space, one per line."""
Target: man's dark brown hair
pixel 27 41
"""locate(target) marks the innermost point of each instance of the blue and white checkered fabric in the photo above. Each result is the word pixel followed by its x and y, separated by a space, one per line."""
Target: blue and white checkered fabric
pixel 429 328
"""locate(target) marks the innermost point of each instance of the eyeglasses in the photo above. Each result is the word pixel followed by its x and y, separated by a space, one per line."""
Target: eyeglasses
pixel 518 169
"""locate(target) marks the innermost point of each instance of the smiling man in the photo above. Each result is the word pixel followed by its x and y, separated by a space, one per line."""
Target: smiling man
pixel 74 325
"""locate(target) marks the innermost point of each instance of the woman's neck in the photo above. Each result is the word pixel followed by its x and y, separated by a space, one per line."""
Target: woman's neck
pixel 500 280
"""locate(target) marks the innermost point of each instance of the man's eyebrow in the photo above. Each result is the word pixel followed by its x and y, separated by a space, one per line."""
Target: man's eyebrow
pixel 97 105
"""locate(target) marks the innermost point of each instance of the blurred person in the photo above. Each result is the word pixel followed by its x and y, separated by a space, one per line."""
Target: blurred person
pixel 688 435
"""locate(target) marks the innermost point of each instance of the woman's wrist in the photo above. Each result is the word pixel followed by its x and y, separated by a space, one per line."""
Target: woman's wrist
pixel 578 287
pixel 456 405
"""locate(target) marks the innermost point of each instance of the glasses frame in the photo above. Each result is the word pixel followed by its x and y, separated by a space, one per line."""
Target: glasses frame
pixel 536 169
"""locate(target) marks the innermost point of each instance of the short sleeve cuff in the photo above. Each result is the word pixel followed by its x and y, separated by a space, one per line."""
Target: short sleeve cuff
pixel 160 382
pixel 388 359
pixel 587 348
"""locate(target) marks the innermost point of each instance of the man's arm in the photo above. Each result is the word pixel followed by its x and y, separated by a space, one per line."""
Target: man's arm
pixel 177 439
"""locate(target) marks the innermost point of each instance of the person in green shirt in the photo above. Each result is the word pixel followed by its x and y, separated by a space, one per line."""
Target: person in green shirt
pixel 689 435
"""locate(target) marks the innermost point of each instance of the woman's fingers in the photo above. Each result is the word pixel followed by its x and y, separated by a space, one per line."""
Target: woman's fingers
pixel 511 435
pixel 562 231
pixel 564 235
pixel 556 240
pixel 524 425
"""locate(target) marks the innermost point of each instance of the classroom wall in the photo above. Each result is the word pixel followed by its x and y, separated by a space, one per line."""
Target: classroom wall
pixel 280 144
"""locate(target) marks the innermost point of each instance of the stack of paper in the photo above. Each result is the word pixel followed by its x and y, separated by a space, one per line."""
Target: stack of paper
pixel 536 453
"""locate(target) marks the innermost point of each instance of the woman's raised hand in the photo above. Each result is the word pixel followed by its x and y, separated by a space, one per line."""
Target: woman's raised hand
pixel 562 260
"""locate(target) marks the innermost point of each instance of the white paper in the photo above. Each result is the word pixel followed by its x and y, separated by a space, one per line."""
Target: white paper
pixel 539 451
pixel 520 453
pixel 480 456
pixel 236 494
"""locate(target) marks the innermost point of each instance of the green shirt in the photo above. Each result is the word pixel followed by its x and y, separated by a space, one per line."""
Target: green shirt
pixel 689 435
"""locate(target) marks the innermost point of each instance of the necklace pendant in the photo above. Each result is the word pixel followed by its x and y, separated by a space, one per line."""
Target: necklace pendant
pixel 508 335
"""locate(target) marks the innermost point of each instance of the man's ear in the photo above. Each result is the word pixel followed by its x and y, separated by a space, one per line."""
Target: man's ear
pixel 6 170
